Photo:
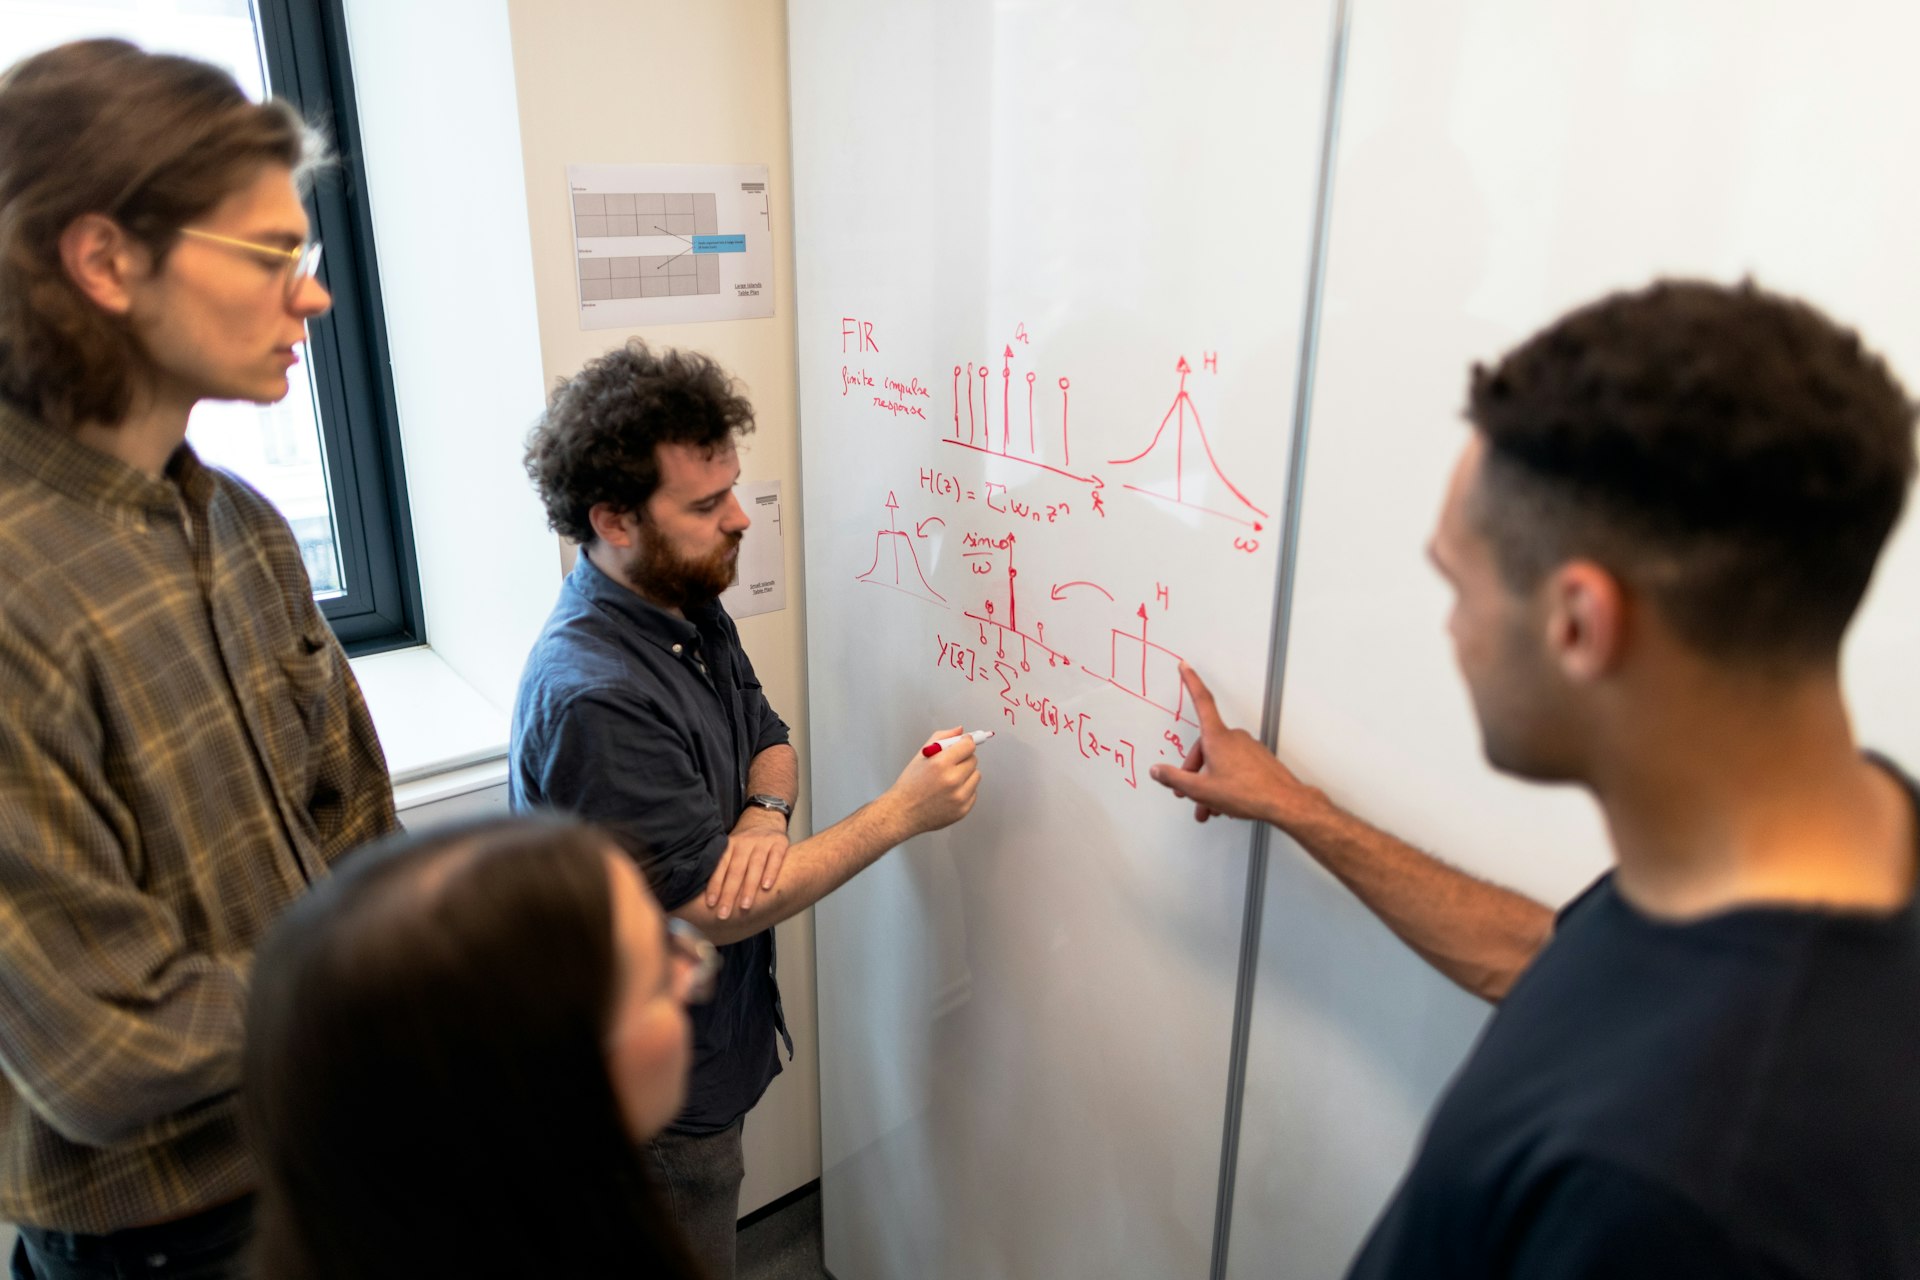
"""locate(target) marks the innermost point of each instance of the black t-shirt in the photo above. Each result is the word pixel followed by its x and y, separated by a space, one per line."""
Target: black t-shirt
pixel 1735 1096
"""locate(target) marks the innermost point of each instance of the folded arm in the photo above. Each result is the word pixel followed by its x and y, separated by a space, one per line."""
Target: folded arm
pixel 758 844
pixel 618 760
pixel 931 793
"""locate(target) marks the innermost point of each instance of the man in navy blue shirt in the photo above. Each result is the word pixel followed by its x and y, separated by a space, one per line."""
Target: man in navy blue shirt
pixel 639 710
pixel 1668 511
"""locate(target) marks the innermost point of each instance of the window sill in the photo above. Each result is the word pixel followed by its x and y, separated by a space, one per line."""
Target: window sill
pixel 450 784
pixel 441 737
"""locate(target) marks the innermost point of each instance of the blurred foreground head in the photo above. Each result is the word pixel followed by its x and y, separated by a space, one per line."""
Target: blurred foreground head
pixel 454 1048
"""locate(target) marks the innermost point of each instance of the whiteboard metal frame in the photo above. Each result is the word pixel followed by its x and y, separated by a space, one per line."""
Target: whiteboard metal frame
pixel 1277 645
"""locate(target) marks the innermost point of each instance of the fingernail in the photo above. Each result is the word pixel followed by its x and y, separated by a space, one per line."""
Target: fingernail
pixel 725 912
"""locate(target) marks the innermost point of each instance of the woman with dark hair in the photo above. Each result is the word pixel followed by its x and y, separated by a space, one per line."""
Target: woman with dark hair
pixel 455 1047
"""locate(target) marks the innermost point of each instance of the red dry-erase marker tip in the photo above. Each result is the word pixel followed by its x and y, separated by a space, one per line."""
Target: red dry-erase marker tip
pixel 931 749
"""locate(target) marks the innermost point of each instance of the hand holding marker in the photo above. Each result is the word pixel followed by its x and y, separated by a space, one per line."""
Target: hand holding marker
pixel 938 745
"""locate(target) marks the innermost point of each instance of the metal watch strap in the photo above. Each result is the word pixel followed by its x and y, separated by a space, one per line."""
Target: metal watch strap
pixel 775 803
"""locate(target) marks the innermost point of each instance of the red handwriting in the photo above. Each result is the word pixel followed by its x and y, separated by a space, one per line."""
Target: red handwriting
pixel 957 656
pixel 1186 414
pixel 1039 513
pixel 861 331
pixel 1021 705
pixel 897 409
pixel 1119 752
pixel 1047 713
pixel 980 548
pixel 893 547
pixel 942 485
pixel 999 499
pixel 900 398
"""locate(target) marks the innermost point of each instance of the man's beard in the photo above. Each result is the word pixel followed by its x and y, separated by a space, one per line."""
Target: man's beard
pixel 662 576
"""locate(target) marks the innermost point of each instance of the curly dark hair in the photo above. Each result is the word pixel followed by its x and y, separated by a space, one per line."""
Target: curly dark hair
pixel 595 443
pixel 1733 454
pixel 150 140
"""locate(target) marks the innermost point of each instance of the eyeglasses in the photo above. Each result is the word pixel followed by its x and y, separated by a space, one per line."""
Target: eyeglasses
pixel 300 264
pixel 687 943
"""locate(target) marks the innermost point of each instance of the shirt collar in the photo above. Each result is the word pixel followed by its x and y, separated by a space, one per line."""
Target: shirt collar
pixel 655 624
pixel 62 463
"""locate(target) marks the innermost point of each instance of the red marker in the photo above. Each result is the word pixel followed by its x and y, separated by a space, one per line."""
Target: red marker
pixel 938 745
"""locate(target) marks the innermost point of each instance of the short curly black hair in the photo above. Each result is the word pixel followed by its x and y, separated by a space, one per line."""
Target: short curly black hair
pixel 596 441
pixel 1731 453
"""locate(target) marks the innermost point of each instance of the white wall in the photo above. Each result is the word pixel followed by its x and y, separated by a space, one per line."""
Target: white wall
pixel 640 81
pixel 435 85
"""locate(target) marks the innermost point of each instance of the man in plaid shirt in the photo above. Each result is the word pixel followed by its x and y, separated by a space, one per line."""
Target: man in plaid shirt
pixel 183 748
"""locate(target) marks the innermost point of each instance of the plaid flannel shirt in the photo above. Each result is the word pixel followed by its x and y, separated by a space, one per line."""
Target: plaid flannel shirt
pixel 183 749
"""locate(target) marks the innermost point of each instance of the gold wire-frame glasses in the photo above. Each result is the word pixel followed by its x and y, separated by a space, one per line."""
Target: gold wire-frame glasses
pixel 300 263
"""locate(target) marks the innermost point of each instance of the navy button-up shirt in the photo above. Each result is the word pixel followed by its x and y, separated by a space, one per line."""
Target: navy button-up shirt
pixel 647 724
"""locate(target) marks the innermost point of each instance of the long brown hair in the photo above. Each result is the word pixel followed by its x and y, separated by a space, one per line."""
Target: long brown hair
pixel 152 141
pixel 426 1078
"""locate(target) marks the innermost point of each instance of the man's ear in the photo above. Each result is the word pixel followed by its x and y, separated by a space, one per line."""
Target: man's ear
pixel 615 526
pixel 1586 620
pixel 103 261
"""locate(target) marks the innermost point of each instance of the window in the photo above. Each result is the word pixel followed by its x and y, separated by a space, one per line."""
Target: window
pixel 328 456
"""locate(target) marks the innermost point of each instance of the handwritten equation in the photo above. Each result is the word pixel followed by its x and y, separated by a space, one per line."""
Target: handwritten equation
pixel 1060 658
pixel 1040 710
pixel 998 498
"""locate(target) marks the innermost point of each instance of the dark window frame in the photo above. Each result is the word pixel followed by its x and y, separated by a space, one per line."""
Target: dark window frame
pixel 305 46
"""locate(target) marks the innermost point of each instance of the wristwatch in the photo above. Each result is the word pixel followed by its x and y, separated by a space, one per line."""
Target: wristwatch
pixel 775 803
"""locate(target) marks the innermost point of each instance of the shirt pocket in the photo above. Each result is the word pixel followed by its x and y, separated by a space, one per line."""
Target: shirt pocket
pixel 309 672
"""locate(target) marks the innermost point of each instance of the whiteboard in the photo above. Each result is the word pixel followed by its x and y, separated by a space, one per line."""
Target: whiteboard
pixel 1498 162
pixel 1051 261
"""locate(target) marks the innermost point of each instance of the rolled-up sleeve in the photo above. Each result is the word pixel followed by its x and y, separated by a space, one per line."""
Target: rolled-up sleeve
pixel 769 730
pixel 612 757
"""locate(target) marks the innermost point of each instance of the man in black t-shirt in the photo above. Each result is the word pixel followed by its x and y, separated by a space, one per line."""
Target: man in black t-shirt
pixel 1669 510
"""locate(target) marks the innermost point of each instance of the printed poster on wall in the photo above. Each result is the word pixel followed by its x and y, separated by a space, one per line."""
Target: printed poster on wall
pixel 762 584
pixel 671 243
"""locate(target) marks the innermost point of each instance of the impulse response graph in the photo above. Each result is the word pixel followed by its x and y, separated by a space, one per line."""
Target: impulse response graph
pixel 1136 666
pixel 1144 670
pixel 1010 624
pixel 896 562
pixel 979 417
pixel 1180 413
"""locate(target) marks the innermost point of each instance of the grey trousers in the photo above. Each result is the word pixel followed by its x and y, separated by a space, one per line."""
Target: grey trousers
pixel 698 1177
